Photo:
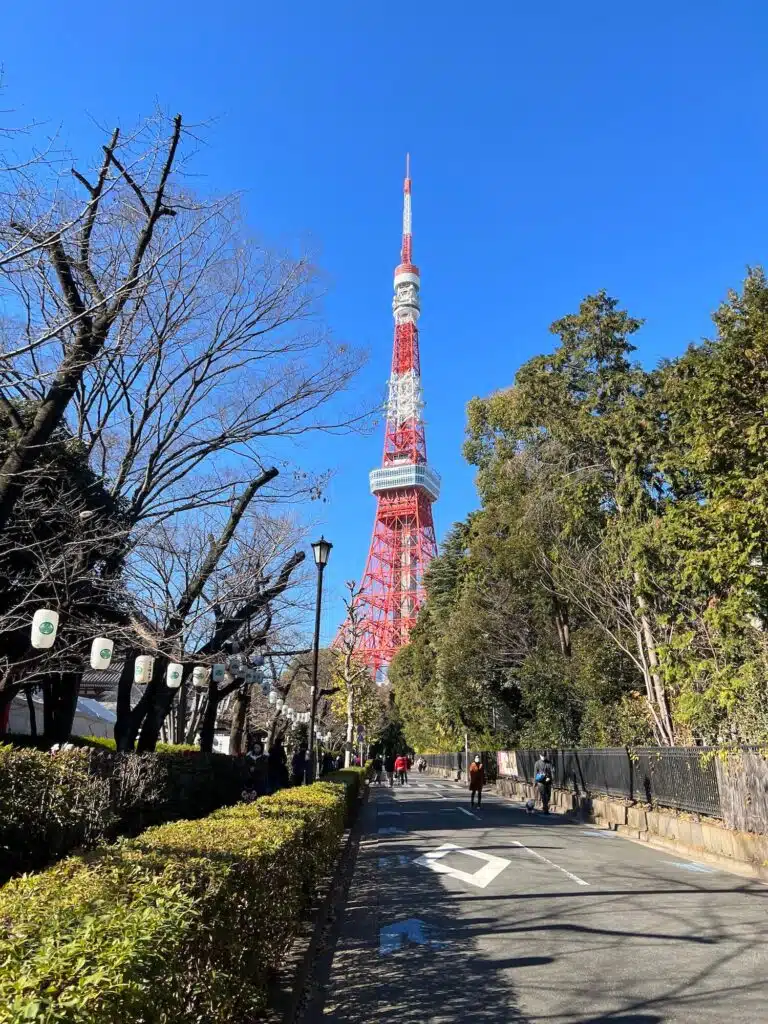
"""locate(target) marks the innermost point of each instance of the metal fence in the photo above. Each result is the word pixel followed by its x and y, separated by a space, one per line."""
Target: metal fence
pixel 461 759
pixel 683 778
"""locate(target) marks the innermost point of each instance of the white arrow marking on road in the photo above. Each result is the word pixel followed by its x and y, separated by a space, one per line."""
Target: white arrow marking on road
pixel 492 867
pixel 391 936
pixel 535 853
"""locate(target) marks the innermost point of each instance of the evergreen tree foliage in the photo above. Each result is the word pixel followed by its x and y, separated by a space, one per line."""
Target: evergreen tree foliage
pixel 613 587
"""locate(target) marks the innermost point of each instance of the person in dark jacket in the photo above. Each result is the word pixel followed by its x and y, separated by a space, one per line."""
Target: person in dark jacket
pixel 389 768
pixel 543 774
pixel 299 765
pixel 277 768
pixel 256 761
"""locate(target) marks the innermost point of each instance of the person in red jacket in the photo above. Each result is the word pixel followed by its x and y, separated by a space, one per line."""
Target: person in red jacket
pixel 401 769
pixel 476 781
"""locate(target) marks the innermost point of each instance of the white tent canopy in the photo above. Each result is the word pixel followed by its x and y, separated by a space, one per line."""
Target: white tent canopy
pixel 91 717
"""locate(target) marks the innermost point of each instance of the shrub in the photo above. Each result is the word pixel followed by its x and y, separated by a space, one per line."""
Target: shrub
pixel 354 781
pixel 186 922
pixel 52 804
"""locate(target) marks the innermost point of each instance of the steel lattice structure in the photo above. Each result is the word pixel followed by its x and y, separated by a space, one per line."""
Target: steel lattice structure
pixel 403 542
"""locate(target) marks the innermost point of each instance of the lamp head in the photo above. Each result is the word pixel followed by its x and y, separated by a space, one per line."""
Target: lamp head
pixel 321 549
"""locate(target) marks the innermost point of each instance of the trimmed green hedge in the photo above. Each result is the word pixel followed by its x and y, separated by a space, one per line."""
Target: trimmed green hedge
pixel 51 804
pixel 354 781
pixel 187 922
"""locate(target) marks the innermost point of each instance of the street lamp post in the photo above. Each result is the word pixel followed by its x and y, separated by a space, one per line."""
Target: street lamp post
pixel 321 549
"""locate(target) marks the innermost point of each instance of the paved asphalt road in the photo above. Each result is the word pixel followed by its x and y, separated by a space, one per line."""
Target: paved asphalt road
pixel 570 926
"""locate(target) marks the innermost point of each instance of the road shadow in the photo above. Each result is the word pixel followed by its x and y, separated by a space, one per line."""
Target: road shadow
pixel 380 974
pixel 657 950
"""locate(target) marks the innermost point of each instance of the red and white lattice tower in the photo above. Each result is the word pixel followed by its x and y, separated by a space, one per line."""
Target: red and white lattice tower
pixel 403 542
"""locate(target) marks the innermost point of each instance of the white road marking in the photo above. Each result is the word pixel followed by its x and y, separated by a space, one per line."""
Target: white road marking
pixel 690 865
pixel 492 866
pixel 465 811
pixel 600 833
pixel 535 853
pixel 391 831
pixel 381 814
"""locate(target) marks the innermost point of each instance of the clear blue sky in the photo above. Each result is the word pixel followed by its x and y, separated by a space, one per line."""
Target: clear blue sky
pixel 557 148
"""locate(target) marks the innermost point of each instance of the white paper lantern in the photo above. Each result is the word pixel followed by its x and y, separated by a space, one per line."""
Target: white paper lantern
pixel 272 697
pixel 45 622
pixel 217 672
pixel 279 703
pixel 173 675
pixel 101 653
pixel 200 676
pixel 143 669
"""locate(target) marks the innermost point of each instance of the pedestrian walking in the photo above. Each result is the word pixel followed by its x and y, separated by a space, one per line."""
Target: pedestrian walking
pixel 401 769
pixel 476 782
pixel 389 768
pixel 543 774
pixel 377 768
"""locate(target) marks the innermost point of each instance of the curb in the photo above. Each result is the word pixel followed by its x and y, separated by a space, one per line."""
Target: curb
pixel 287 991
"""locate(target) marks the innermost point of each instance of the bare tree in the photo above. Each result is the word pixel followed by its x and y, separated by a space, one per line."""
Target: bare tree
pixel 595 583
pixel 352 675
pixel 58 249
pixel 178 353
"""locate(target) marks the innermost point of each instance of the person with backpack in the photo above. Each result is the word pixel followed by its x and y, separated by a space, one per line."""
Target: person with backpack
pixel 543 774
pixel 389 768
pixel 476 781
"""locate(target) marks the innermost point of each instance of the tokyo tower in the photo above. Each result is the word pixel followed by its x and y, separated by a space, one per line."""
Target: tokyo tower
pixel 403 542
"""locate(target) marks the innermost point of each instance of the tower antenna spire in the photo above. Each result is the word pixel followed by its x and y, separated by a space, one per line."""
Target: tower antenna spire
pixel 406 249
pixel 405 485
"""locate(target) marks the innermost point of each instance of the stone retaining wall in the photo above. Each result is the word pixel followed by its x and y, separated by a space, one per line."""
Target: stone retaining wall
pixel 705 839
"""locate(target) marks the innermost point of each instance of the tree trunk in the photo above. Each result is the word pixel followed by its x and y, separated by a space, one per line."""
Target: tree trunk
pixel 134 717
pixel 350 727
pixel 31 709
pixel 198 710
pixel 6 696
pixel 180 718
pixel 208 728
pixel 562 622
pixel 660 695
pixel 156 715
pixel 123 706
pixel 59 706
pixel 239 714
